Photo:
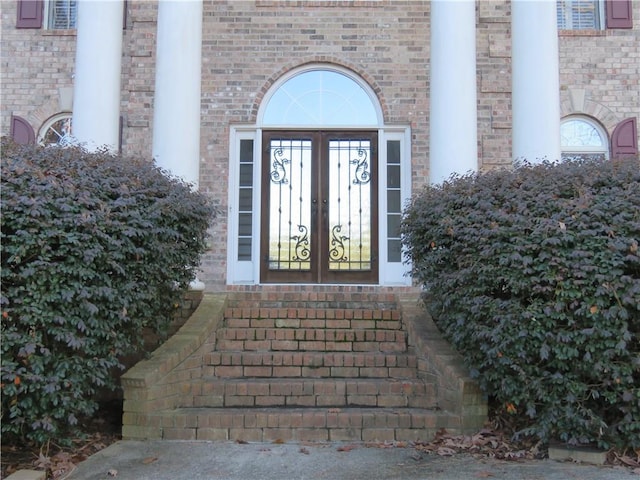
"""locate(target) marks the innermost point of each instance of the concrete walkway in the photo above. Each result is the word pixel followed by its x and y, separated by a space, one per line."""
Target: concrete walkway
pixel 184 460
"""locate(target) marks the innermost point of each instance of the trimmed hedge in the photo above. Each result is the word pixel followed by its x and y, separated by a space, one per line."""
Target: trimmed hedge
pixel 95 248
pixel 534 275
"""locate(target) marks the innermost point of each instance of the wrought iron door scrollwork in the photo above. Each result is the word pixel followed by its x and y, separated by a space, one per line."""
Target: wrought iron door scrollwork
pixel 337 253
pixel 362 174
pixel 301 248
pixel 279 172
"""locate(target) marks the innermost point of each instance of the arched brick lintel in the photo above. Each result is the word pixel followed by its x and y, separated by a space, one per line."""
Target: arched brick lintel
pixel 579 102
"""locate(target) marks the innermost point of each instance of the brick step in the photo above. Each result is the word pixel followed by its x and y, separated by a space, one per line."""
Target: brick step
pixel 317 319
pixel 312 299
pixel 307 339
pixel 301 392
pixel 309 364
pixel 262 312
pixel 296 424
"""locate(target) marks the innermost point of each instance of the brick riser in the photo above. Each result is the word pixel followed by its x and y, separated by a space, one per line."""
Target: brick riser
pixel 309 364
pixel 303 424
pixel 326 392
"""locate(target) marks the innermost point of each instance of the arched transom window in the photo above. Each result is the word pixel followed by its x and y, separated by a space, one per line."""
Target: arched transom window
pixel 325 98
pixel 582 137
pixel 56 131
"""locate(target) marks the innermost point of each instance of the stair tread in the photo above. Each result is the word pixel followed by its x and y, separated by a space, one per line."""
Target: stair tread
pixel 406 353
pixel 324 324
pixel 285 410
pixel 383 332
pixel 308 379
pixel 328 300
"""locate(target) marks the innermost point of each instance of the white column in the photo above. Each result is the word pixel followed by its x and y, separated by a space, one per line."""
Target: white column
pixel 96 94
pixel 453 138
pixel 535 81
pixel 176 116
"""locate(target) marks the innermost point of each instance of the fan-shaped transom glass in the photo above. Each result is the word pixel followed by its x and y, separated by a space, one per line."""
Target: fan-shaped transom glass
pixel 320 98
pixel 581 133
pixel 582 138
pixel 56 131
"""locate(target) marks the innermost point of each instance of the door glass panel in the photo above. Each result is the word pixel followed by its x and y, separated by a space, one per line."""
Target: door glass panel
pixel 394 251
pixel 393 226
pixel 394 201
pixel 245 224
pixel 245 202
pixel 246 175
pixel 244 249
pixel 290 204
pixel 393 176
pixel 349 205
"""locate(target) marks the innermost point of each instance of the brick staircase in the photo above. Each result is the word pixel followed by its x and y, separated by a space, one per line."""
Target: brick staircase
pixel 301 366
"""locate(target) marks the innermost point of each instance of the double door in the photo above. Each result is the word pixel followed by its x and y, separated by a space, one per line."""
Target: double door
pixel 319 207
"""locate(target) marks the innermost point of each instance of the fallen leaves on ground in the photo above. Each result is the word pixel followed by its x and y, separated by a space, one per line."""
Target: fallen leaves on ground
pixel 59 461
pixel 629 458
pixel 62 463
pixel 346 448
pixel 486 442
pixel 393 444
pixel 492 444
pixel 484 474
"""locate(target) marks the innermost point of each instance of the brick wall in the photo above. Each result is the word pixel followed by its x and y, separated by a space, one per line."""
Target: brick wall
pixel 36 66
pixel 493 44
pixel 599 73
pixel 249 44
pixel 138 77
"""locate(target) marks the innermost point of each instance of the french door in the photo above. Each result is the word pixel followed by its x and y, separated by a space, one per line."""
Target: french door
pixel 319 207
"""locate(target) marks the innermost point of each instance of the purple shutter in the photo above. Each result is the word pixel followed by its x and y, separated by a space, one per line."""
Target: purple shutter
pixel 619 14
pixel 21 131
pixel 29 14
pixel 624 139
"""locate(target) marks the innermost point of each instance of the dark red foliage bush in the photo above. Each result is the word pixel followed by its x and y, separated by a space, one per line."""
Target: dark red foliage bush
pixel 534 275
pixel 95 248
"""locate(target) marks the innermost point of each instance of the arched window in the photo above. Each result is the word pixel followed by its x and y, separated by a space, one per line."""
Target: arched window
pixel 582 137
pixel 56 131
pixel 320 97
